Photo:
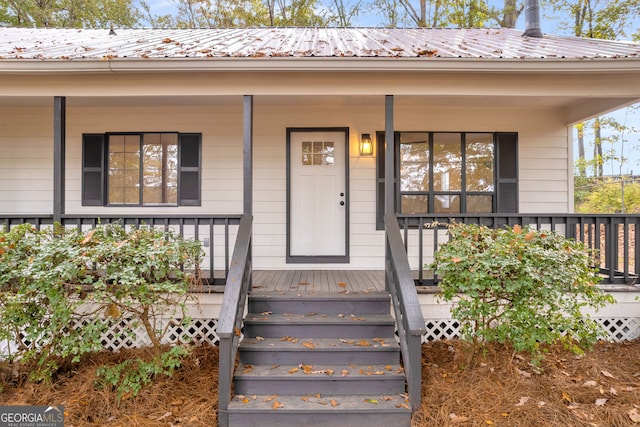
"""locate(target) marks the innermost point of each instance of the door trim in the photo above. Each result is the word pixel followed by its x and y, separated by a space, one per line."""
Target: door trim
pixel 324 259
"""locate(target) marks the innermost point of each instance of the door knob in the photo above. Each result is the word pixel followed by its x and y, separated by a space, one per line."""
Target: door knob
pixel 341 202
pixel 341 194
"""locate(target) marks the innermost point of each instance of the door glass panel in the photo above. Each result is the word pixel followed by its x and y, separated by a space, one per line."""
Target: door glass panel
pixel 479 162
pixel 318 153
pixel 447 162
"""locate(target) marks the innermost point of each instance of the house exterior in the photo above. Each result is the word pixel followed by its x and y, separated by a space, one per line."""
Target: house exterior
pixel 216 123
pixel 313 149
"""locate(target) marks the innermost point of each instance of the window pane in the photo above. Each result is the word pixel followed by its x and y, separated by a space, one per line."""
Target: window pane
pixel 414 161
pixel 446 203
pixel 124 169
pixel 479 204
pixel 479 158
pixel 414 204
pixel 160 169
pixel 447 162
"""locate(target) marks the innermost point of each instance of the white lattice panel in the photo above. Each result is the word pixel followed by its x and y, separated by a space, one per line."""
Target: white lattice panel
pixel 617 329
pixel 128 334
pixel 620 329
pixel 441 329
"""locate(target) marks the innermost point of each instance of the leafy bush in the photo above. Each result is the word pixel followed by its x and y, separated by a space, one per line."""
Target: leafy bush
pixel 62 289
pixel 520 286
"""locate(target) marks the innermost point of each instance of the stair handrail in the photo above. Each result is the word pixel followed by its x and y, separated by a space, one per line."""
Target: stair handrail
pixel 232 310
pixel 408 314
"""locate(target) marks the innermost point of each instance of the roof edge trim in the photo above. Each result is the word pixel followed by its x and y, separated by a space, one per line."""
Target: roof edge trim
pixel 463 65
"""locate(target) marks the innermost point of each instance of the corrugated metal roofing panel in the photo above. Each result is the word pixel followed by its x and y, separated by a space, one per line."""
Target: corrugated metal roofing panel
pixel 425 43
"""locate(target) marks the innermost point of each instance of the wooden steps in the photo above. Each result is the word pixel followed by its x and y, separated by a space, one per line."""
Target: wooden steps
pixel 319 360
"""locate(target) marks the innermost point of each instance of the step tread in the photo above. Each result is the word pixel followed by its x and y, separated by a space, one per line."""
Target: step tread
pixel 395 403
pixel 298 296
pixel 318 344
pixel 320 371
pixel 319 318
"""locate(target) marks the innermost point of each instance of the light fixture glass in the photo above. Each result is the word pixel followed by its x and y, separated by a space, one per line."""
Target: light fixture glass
pixel 366 145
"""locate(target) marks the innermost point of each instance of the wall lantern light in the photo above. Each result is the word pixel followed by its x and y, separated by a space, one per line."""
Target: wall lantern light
pixel 366 145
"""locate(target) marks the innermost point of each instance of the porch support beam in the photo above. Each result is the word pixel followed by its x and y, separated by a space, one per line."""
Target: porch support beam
pixel 389 159
pixel 59 148
pixel 248 153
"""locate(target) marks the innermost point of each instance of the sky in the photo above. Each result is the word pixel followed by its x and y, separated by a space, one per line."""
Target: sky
pixel 630 117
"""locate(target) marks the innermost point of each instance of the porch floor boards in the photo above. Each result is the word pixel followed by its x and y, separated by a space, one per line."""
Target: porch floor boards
pixel 318 281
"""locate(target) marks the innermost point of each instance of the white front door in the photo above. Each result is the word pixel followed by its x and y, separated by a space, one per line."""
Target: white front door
pixel 317 198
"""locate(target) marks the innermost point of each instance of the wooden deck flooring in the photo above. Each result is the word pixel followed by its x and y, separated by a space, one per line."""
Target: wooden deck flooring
pixel 318 281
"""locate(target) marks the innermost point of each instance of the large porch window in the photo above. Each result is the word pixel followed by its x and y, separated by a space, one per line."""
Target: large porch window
pixel 451 172
pixel 141 169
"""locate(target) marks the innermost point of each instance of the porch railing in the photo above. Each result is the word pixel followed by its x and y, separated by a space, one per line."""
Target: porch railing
pixel 614 239
pixel 408 314
pixel 231 315
pixel 216 232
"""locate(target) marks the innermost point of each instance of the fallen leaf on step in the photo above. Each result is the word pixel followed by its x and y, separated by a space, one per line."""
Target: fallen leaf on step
pixel 270 398
pixel 259 338
pixel 345 372
pixel 247 369
pixel 334 403
pixel 276 405
pixel 342 284
pixel 373 401
pixel 293 370
pixel 403 405
pixel 308 344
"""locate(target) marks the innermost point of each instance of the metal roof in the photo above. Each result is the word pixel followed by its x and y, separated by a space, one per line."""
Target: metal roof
pixel 420 43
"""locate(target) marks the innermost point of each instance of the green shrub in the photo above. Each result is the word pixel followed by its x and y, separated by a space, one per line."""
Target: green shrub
pixel 60 289
pixel 520 286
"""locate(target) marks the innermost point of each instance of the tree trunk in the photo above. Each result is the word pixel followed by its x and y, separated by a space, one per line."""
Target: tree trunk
pixel 582 169
pixel 597 149
pixel 510 14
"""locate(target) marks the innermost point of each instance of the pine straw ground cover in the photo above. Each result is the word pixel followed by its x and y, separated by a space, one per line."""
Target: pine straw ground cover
pixel 601 388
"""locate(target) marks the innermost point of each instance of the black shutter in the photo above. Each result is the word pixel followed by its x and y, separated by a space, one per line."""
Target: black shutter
pixel 93 161
pixel 507 172
pixel 189 180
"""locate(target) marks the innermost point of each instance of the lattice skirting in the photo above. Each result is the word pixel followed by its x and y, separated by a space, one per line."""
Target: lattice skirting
pixel 125 335
pixel 616 329
pixel 204 330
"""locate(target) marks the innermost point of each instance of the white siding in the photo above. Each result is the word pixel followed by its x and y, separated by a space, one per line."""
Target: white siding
pixel 26 160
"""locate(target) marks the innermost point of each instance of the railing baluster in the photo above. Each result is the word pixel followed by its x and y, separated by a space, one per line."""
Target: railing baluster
pixel 625 249
pixel 420 249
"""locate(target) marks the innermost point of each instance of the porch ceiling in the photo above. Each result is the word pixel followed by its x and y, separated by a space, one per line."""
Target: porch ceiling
pixel 573 108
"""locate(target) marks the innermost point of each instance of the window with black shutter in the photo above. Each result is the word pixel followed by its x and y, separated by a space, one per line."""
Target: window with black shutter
pixel 141 169
pixel 451 172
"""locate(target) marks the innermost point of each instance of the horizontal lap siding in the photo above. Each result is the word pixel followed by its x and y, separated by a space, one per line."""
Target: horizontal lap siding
pixel 221 128
pixel 26 160
pixel 26 136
